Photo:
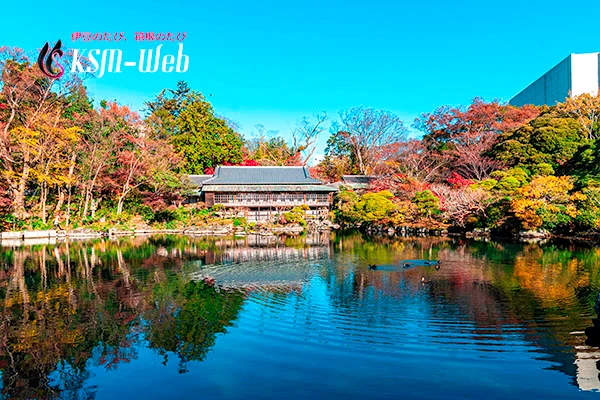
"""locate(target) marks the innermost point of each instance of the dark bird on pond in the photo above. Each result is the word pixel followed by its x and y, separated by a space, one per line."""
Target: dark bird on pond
pixel 372 266
pixel 425 280
pixel 406 265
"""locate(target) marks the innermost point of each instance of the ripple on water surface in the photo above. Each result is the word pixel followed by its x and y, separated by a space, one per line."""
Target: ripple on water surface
pixel 273 318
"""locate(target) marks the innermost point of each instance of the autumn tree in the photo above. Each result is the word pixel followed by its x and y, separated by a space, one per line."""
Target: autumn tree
pixel 97 149
pixel 585 109
pixel 468 135
pixel 546 202
pixel 361 133
pixel 332 168
pixel 462 204
pixel 418 161
pixel 54 166
pixel 140 158
pixel 34 112
pixel 163 185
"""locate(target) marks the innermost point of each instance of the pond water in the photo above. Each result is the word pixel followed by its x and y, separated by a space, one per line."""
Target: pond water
pixel 268 317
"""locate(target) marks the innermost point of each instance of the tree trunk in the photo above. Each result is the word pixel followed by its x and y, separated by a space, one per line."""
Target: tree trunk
pixel 68 217
pixel 86 203
pixel 70 186
pixel 120 204
pixel 19 193
pixel 61 200
pixel 43 201
pixel 89 192
pixel 124 193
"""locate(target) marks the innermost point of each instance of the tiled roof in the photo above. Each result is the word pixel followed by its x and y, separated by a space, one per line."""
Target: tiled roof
pixel 198 180
pixel 362 179
pixel 357 181
pixel 267 188
pixel 262 176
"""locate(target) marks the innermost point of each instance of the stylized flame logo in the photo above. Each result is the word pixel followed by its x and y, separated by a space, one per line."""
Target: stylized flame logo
pixel 54 55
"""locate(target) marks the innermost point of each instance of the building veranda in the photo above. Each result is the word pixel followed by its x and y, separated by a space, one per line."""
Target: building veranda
pixel 263 193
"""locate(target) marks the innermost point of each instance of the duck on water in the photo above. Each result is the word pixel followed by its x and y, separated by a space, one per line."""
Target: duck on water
pixel 407 264
pixel 417 263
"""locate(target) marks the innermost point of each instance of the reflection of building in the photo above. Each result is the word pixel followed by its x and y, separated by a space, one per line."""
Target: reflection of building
pixel 587 355
pixel 263 262
pixel 573 76
pixel 256 248
pixel 262 192
pixel 274 254
pixel 586 360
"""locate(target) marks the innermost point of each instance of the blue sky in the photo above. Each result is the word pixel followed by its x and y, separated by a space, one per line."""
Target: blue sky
pixel 272 62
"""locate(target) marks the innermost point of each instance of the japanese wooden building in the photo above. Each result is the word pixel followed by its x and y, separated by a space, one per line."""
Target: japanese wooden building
pixel 262 192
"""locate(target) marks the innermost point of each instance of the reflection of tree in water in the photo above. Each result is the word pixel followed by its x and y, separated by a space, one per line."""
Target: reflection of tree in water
pixel 54 314
pixel 547 292
pixel 544 291
pixel 349 277
pixel 187 317
pixel 383 250
pixel 67 307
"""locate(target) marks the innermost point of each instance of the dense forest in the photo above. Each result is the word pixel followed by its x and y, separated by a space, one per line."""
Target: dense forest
pixel 482 165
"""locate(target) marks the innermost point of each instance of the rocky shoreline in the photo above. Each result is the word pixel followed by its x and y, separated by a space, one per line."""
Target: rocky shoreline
pixel 540 236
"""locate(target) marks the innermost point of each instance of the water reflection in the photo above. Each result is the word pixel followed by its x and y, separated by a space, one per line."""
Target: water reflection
pixel 71 310
pixel 68 307
pixel 484 294
pixel 263 262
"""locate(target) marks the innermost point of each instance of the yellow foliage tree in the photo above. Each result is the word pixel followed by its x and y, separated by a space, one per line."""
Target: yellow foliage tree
pixel 586 109
pixel 546 202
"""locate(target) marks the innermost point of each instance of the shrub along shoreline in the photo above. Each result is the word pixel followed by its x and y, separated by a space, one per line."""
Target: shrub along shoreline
pixel 192 220
pixel 229 228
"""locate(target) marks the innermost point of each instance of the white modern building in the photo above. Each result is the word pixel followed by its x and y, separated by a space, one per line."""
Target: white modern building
pixel 575 75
